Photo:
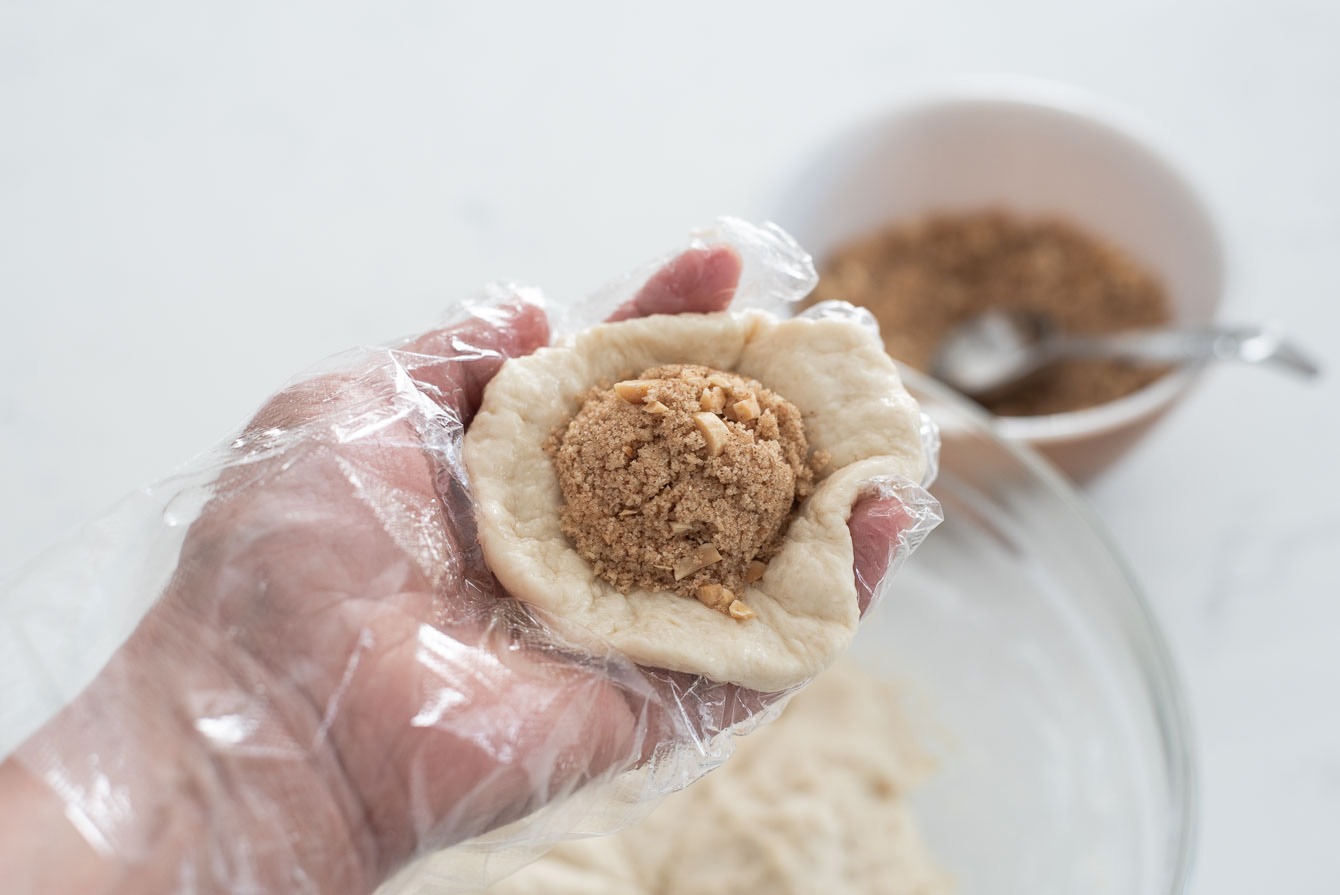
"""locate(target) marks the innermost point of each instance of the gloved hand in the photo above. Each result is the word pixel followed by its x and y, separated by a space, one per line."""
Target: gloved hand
pixel 333 682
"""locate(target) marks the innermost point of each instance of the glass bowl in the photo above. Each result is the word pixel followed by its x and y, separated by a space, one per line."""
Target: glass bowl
pixel 1040 679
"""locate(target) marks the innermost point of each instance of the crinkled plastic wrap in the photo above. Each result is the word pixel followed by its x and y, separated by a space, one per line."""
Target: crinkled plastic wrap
pixel 288 664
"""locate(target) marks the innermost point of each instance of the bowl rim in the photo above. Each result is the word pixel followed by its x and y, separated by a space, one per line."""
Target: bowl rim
pixel 1141 628
pixel 1119 122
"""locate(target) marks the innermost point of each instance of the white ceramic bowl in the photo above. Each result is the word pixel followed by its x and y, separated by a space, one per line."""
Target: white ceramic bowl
pixel 1032 148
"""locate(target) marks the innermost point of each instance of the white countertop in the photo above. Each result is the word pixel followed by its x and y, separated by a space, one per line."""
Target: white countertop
pixel 197 202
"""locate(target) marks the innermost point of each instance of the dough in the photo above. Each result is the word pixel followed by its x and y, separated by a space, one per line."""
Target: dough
pixel 855 409
pixel 796 811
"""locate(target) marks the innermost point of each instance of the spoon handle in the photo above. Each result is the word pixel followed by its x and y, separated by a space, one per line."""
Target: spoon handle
pixel 1247 344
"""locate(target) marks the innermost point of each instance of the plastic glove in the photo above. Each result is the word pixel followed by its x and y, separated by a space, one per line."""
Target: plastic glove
pixel 332 682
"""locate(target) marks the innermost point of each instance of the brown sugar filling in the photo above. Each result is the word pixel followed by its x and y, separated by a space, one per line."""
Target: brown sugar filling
pixel 922 277
pixel 683 479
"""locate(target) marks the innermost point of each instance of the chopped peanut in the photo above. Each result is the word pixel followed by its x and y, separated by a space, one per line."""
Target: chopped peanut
pixel 634 391
pixel 740 611
pixel 680 528
pixel 746 408
pixel 655 407
pixel 701 558
pixel 713 400
pixel 715 432
pixel 754 571
pixel 715 596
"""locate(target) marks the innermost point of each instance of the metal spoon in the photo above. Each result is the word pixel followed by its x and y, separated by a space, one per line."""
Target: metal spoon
pixel 996 350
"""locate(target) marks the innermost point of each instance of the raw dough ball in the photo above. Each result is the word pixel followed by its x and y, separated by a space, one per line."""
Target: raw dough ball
pixel 855 409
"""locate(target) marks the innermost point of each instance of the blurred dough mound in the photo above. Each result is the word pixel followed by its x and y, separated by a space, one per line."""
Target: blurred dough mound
pixel 797 811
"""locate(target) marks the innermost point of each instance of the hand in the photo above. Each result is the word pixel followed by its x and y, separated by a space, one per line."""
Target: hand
pixel 333 681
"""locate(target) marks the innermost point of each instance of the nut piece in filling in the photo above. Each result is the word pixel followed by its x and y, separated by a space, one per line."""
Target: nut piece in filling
pixel 683 479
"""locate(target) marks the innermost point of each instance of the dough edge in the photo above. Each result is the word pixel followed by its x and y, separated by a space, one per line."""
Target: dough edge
pixel 806 602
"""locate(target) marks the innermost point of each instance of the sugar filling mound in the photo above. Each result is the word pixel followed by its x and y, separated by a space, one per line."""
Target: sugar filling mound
pixel 683 479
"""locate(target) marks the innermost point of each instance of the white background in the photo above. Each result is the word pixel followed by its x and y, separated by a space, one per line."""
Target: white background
pixel 197 200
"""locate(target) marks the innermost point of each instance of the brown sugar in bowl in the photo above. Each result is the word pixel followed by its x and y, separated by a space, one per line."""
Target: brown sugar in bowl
pixel 924 277
pixel 1035 150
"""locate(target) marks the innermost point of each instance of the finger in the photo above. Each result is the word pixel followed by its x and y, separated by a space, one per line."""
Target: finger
pixel 699 281
pixel 452 364
pixel 455 363
pixel 875 525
